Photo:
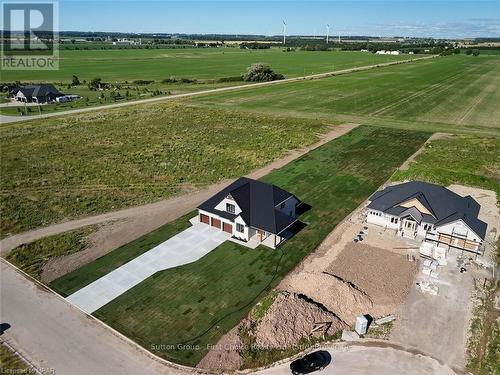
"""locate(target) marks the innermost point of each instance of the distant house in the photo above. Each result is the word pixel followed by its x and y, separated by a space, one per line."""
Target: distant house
pixel 11 90
pixel 127 42
pixel 431 212
pixel 252 211
pixel 44 93
pixel 384 52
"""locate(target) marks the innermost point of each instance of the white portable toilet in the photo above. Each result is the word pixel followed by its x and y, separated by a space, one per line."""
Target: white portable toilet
pixel 361 325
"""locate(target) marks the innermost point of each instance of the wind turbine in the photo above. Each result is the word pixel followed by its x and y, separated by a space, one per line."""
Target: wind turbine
pixel 327 32
pixel 284 32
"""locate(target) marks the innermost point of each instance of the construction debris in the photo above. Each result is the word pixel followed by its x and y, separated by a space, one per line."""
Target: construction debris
pixel 384 320
pixel 350 336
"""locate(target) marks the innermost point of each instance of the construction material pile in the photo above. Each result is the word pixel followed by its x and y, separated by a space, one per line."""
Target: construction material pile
pixel 384 276
pixel 290 318
pixel 340 297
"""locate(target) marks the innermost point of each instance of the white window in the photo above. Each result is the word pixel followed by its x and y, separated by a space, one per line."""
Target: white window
pixel 230 208
pixel 240 228
pixel 394 220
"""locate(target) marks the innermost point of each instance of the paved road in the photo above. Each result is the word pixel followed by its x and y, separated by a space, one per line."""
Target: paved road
pixel 10 119
pixel 52 334
pixel 359 360
pixel 150 216
pixel 183 248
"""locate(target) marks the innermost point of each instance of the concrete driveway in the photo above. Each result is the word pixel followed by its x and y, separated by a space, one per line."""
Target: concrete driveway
pixel 183 248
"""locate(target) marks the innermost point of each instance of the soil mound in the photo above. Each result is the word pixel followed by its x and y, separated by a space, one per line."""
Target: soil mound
pixel 336 295
pixel 290 318
pixel 224 356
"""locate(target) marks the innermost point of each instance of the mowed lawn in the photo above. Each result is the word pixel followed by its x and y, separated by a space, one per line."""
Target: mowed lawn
pixel 177 313
pixel 194 63
pixel 62 168
pixel 460 90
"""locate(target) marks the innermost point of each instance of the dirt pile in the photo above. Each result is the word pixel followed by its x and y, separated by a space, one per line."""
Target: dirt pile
pixel 383 275
pixel 336 295
pixel 224 356
pixel 291 318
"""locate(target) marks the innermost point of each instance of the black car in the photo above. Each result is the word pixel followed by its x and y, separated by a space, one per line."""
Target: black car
pixel 311 362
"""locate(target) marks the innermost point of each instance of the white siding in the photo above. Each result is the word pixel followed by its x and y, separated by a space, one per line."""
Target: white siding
pixel 223 220
pixel 458 227
pixel 242 236
pixel 222 206
pixel 379 218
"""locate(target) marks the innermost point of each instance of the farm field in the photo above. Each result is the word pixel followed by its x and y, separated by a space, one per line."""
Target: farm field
pixel 126 92
pixel 95 162
pixel 195 63
pixel 470 160
pixel 195 304
pixel 462 91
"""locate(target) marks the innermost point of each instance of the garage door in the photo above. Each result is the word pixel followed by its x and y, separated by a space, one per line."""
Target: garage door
pixel 204 219
pixel 216 222
pixel 227 228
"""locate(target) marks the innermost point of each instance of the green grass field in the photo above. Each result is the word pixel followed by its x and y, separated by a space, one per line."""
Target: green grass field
pixel 195 304
pixel 12 364
pixel 127 92
pixel 462 91
pixel 95 162
pixel 461 159
pixel 198 63
pixel 33 256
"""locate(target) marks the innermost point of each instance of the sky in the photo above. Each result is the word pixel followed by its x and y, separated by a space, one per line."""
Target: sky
pixel 437 18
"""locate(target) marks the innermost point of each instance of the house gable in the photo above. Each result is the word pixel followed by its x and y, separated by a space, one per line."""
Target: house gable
pixel 459 227
pixel 221 206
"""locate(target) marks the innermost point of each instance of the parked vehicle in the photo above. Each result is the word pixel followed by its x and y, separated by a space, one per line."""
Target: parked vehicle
pixel 315 361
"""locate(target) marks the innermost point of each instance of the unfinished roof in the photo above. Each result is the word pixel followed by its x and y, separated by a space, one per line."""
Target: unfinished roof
pixel 257 201
pixel 444 205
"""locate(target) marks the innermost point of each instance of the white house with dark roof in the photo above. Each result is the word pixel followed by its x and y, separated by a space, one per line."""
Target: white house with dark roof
pixel 431 212
pixel 252 212
pixel 43 93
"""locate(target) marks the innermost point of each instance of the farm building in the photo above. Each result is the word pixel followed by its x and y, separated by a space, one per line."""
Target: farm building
pixel 252 211
pixel 43 93
pixel 430 212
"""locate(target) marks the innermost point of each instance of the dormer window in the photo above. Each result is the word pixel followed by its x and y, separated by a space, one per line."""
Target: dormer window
pixel 230 208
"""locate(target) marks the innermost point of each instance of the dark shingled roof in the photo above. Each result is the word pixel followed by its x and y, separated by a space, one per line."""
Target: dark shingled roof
pixel 39 90
pixel 257 201
pixel 445 205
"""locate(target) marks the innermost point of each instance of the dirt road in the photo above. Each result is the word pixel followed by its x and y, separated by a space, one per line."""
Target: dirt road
pixel 131 223
pixel 9 119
